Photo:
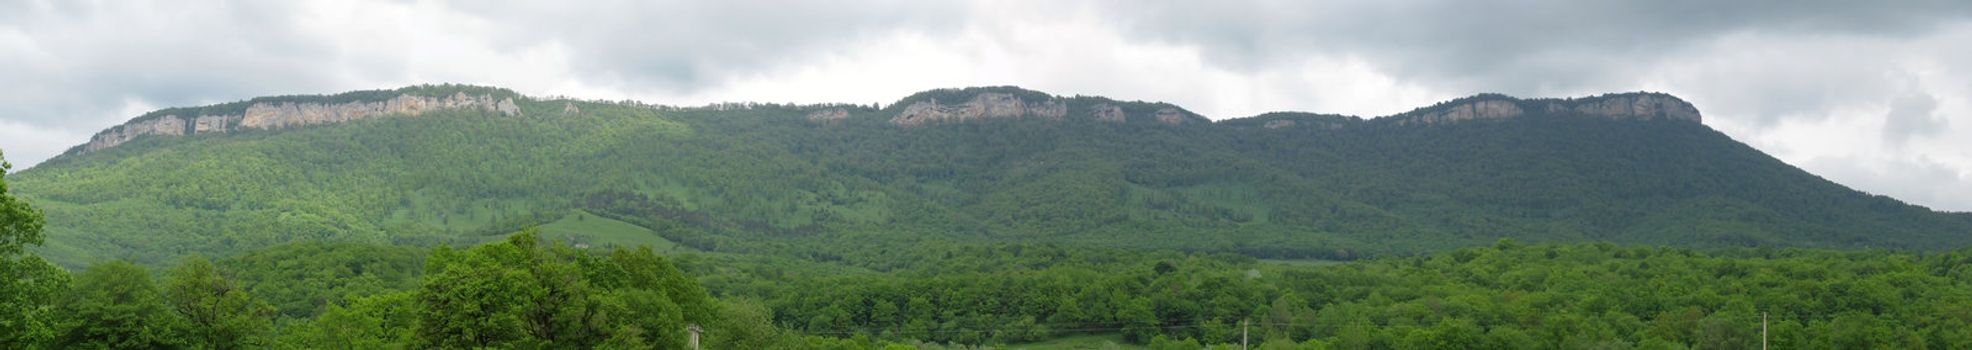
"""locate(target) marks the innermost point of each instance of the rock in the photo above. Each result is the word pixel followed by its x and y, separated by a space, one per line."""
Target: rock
pixel 1051 109
pixel 569 108
pixel 828 116
pixel 1107 113
pixel 507 107
pixel 1487 109
pixel 207 124
pixel 1641 106
pixel 1276 124
pixel 166 125
pixel 278 115
pixel 1170 116
pixel 985 105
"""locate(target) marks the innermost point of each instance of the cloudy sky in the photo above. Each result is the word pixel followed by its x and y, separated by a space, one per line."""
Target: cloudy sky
pixel 1875 95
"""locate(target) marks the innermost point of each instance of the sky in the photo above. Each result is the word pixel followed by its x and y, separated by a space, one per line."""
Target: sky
pixel 1876 95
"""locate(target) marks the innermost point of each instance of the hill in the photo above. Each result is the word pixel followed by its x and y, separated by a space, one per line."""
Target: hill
pixel 454 164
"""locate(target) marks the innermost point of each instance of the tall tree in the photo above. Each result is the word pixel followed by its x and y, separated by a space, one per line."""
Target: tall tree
pixel 219 314
pixel 28 285
pixel 115 306
pixel 520 293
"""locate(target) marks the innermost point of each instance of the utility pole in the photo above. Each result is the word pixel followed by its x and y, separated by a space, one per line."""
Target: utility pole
pixel 1763 330
pixel 1242 335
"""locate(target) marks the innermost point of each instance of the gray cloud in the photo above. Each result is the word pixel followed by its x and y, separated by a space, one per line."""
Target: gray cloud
pixel 679 45
pixel 1912 115
pixel 87 61
pixel 1519 46
pixel 1914 180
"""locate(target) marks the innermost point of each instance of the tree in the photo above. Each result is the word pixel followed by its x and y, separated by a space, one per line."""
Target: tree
pixel 477 298
pixel 115 306
pixel 519 293
pixel 28 284
pixel 20 224
pixel 219 314
pixel 1140 322
pixel 373 322
pixel 1449 334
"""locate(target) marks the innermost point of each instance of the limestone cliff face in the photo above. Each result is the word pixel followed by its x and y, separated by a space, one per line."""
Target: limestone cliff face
pixel 985 105
pixel 1492 109
pixel 1641 106
pixel 278 115
pixel 167 125
pixel 207 124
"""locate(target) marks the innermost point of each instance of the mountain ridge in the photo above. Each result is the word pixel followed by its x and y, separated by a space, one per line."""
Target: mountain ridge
pixel 839 181
pixel 917 109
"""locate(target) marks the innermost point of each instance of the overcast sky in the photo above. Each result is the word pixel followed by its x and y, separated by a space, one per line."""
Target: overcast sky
pixel 1874 95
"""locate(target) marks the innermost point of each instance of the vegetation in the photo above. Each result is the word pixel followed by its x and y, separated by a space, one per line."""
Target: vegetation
pixel 624 225
pixel 28 284
pixel 761 179
pixel 1509 296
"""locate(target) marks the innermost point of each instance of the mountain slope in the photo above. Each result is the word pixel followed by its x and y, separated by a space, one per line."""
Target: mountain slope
pixel 953 165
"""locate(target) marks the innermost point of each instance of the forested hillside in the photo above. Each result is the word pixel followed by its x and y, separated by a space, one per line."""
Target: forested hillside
pixel 471 217
pixel 955 165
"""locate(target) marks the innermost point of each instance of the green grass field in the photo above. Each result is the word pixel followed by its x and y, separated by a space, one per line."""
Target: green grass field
pixel 594 231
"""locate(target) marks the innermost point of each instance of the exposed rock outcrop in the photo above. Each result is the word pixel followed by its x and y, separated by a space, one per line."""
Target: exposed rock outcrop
pixel 1276 124
pixel 207 124
pixel 283 115
pixel 1642 106
pixel 278 115
pixel 1488 109
pixel 166 125
pixel 985 105
pixel 1171 116
pixel 828 116
pixel 1111 113
pixel 1107 113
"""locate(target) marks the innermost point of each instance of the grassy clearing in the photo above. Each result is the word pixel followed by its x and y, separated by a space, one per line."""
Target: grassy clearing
pixel 581 227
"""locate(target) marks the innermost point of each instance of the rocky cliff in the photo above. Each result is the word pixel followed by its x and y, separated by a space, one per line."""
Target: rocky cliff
pixel 918 110
pixel 265 115
pixel 1642 106
pixel 1012 103
pixel 984 105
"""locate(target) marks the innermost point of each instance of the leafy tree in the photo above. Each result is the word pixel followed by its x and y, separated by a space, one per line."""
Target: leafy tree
pixel 1140 323
pixel 302 279
pixel 1449 334
pixel 28 285
pixel 219 314
pixel 519 293
pixel 115 306
pixel 372 322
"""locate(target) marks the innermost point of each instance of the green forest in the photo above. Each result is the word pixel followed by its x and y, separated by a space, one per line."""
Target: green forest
pixel 613 224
